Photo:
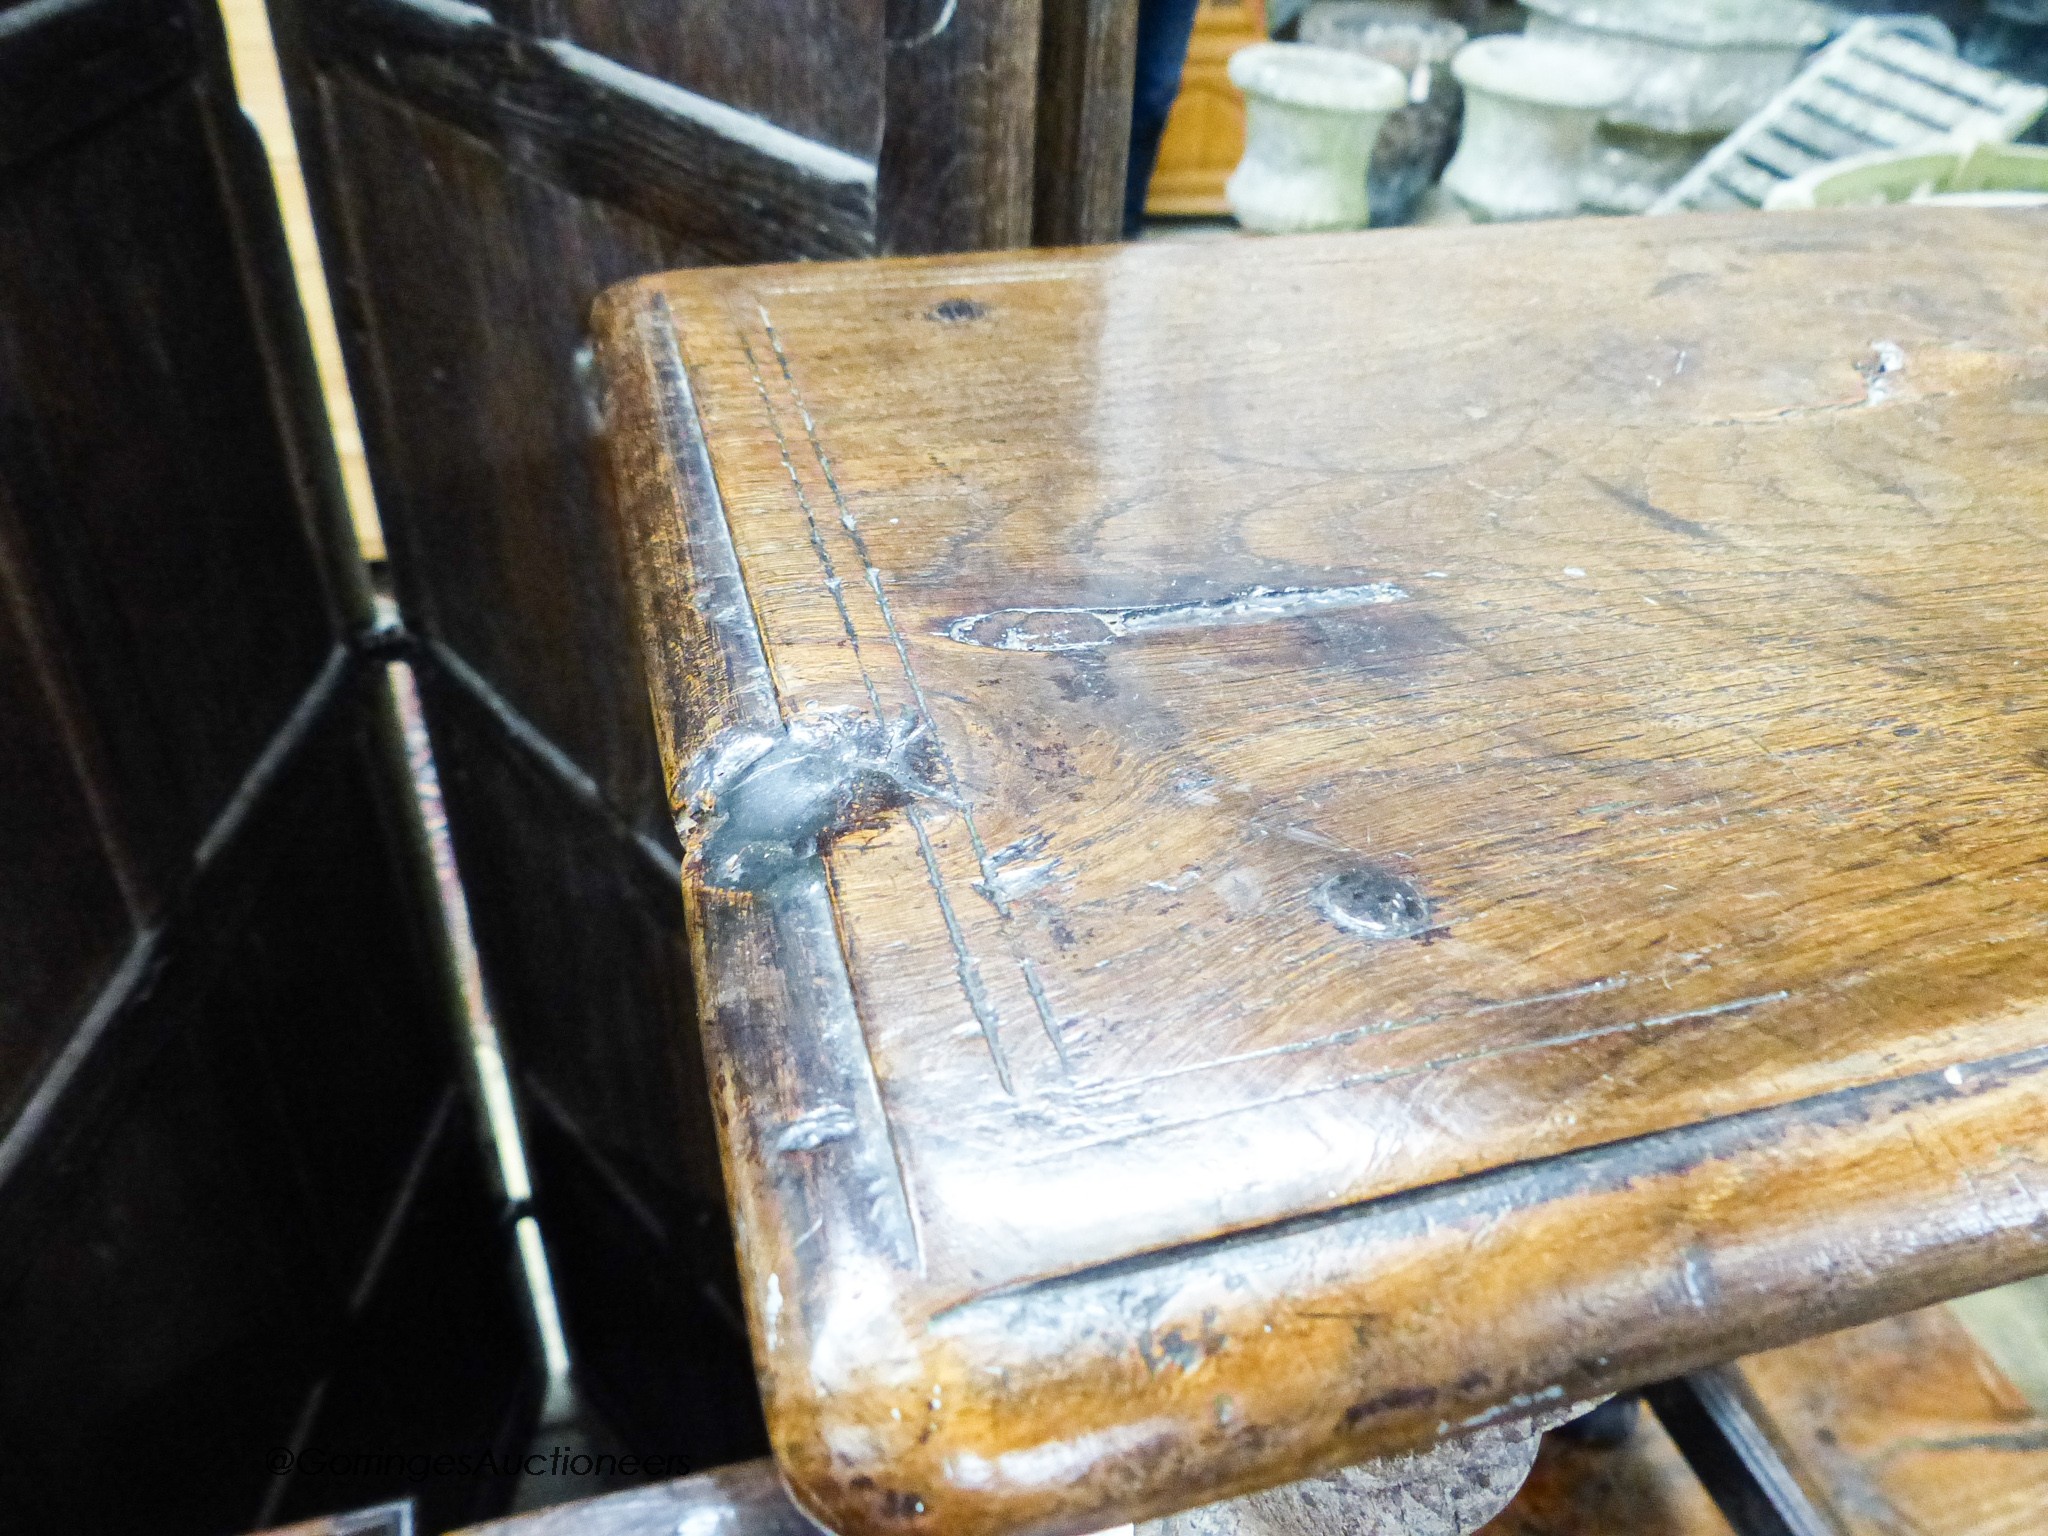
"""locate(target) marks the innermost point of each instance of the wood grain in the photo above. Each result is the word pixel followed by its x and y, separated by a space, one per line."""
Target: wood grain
pixel 742 188
pixel 504 565
pixel 811 66
pixel 119 534
pixel 1658 626
pixel 959 120
pixel 1087 55
pixel 66 66
pixel 480 428
pixel 1906 1426
pixel 66 913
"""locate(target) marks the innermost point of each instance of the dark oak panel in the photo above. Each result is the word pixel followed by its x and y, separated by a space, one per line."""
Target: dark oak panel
pixel 202 1221
pixel 201 1230
pixel 812 66
pixel 636 1084
pixel 1087 57
pixel 139 500
pixel 325 1000
pixel 958 125
pixel 617 1113
pixel 430 1364
pixel 63 923
pixel 65 66
pixel 158 1335
pixel 1291 849
pixel 486 473
pixel 650 1298
pixel 742 189
pixel 228 1023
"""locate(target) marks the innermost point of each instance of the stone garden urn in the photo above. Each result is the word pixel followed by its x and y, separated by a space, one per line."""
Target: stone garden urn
pixel 1530 111
pixel 1697 69
pixel 1416 142
pixel 1694 66
pixel 1311 117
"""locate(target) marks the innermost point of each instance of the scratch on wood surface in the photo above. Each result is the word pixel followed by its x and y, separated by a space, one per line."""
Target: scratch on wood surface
pixel 1086 629
pixel 1359 1032
pixel 968 969
pixel 1396 1074
pixel 965 963
pixel 2019 1440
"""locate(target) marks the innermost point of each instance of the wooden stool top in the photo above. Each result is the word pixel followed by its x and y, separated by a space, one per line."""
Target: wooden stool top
pixel 1416 826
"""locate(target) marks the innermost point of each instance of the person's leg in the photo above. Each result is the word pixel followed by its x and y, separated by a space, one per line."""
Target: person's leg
pixel 1164 27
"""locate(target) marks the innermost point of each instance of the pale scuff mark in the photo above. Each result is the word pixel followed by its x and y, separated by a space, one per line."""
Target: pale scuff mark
pixel 1059 1463
pixel 456 12
pixel 814 1129
pixel 1087 629
pixel 1521 1402
pixel 1699 1279
pixel 1016 880
pixel 1242 891
pixel 1882 372
pixel 1189 876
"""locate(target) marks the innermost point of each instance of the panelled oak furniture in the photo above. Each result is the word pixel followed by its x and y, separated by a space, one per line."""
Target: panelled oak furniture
pixel 1299 851
pixel 478 173
pixel 244 1206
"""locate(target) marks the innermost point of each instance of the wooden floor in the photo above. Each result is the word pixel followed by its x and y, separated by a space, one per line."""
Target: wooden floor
pixel 262 93
pixel 1906 1427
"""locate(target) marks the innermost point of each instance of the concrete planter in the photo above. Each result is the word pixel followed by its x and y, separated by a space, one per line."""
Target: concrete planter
pixel 1311 117
pixel 1416 142
pixel 1694 66
pixel 1630 168
pixel 1530 111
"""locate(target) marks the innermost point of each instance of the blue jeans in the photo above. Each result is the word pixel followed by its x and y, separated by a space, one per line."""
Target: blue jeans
pixel 1164 27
